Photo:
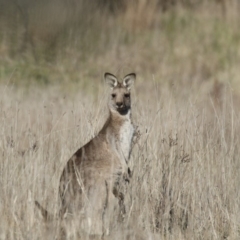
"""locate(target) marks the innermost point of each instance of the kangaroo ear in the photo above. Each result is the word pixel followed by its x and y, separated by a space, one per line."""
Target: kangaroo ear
pixel 111 80
pixel 128 80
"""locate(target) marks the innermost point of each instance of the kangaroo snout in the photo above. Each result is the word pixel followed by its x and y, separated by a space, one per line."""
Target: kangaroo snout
pixel 119 104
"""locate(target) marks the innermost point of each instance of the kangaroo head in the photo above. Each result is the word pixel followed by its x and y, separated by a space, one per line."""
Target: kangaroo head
pixel 120 99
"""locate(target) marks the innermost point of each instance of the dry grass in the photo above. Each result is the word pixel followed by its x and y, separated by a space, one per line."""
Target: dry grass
pixel 186 163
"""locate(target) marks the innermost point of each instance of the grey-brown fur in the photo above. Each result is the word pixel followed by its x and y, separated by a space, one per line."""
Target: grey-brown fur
pixel 88 184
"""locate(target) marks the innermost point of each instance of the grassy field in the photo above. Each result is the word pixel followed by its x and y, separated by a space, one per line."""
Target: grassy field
pixel 186 99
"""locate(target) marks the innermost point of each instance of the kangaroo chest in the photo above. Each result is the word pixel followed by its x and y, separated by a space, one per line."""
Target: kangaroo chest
pixel 125 137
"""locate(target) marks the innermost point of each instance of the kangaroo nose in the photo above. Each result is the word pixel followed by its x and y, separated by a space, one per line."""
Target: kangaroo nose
pixel 119 104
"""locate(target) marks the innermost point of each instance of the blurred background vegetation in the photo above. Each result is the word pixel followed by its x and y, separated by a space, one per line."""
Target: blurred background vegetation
pixel 193 43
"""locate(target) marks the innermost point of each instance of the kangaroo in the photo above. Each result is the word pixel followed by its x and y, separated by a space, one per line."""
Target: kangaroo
pixel 88 184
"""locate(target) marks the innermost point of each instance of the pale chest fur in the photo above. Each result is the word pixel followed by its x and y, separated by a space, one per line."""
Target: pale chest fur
pixel 125 138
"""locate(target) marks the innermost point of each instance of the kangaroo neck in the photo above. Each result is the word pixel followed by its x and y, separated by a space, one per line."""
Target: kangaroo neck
pixel 116 119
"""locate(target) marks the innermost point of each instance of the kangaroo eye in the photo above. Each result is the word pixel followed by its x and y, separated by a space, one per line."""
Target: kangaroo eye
pixel 127 95
pixel 113 95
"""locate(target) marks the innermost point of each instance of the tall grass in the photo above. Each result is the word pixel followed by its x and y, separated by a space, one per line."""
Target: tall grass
pixel 185 104
pixel 185 163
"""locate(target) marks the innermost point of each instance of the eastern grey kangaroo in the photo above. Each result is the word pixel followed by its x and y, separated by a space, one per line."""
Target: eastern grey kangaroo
pixel 88 181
